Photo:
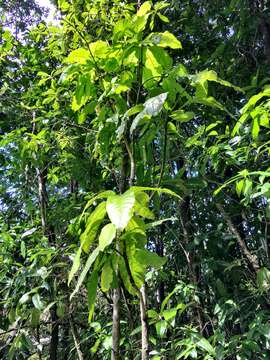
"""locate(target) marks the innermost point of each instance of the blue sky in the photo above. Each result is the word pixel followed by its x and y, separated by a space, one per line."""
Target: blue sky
pixel 47 4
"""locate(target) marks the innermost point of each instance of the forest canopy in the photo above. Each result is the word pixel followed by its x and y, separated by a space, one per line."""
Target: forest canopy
pixel 134 180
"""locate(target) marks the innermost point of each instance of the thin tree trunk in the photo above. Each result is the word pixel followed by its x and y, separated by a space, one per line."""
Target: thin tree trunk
pixel 142 291
pixel 115 355
pixel 160 252
pixel 116 333
pixel 65 343
pixel 54 334
pixel 187 235
pixel 75 339
pixel 144 324
pixel 185 220
pixel 252 259
pixel 48 231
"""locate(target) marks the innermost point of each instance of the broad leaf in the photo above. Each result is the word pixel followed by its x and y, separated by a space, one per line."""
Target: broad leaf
pixel 106 236
pixel 79 56
pixel 165 39
pixel 120 209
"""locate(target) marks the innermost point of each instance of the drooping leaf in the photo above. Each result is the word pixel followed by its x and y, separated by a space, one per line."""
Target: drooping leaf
pixel 204 344
pixel 152 69
pixel 106 276
pixel 75 265
pixel 92 257
pixel 159 190
pixel 169 314
pixel 141 206
pixel 93 223
pixel 92 284
pixel 161 328
pixel 102 195
pixel 106 236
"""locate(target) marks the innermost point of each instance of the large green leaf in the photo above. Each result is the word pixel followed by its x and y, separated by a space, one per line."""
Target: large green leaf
pixel 99 49
pixel 125 277
pixel 37 302
pixel 79 56
pixel 152 69
pixel 106 236
pixel 200 80
pixel 120 208
pixel 164 39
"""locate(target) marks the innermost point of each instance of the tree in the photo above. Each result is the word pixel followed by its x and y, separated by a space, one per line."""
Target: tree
pixel 134 182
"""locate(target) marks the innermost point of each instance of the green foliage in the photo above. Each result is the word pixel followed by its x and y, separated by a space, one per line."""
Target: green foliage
pixel 134 151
